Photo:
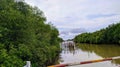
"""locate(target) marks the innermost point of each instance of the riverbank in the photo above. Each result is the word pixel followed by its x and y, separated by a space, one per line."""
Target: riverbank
pixel 109 35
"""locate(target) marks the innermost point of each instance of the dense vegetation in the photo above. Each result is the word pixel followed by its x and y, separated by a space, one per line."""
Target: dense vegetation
pixel 109 35
pixel 24 36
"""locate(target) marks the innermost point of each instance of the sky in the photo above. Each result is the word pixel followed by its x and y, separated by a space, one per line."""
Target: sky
pixel 73 17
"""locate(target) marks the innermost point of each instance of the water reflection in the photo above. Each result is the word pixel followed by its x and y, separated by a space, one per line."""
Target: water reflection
pixel 68 47
pixel 102 50
pixel 82 52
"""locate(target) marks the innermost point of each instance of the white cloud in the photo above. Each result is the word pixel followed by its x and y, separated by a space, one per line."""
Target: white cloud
pixel 68 14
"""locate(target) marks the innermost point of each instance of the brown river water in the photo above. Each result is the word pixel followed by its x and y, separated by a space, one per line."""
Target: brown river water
pixel 86 52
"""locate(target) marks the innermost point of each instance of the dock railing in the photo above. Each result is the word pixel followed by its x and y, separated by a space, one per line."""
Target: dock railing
pixel 85 62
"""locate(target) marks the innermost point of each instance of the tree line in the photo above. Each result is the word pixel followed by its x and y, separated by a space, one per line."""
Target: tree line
pixel 109 35
pixel 24 36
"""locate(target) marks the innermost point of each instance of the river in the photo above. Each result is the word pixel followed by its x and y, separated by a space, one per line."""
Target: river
pixel 85 52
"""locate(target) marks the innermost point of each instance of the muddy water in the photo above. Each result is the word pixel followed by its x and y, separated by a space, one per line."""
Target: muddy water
pixel 83 52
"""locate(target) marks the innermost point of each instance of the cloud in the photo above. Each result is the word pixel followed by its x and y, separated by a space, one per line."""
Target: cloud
pixel 78 30
pixel 74 31
pixel 73 16
pixel 100 15
pixel 71 33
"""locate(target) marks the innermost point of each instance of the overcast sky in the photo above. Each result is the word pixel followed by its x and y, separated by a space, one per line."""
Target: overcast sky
pixel 73 17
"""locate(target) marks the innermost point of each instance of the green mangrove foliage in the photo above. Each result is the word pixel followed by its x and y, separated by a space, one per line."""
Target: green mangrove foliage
pixel 110 35
pixel 24 36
